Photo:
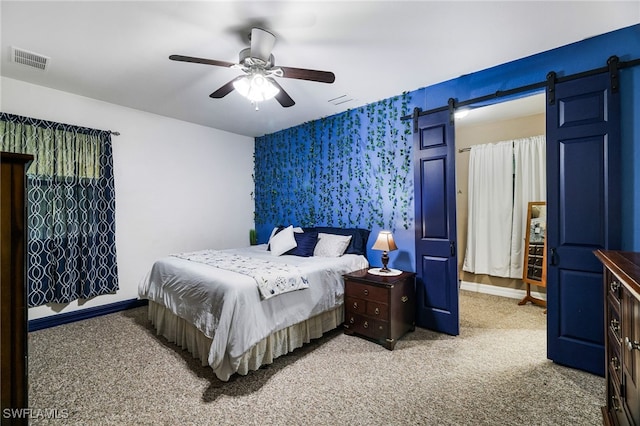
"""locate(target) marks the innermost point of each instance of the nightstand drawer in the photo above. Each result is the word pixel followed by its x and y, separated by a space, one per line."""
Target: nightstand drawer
pixel 378 310
pixel 368 292
pixel 362 306
pixel 366 326
pixel 356 306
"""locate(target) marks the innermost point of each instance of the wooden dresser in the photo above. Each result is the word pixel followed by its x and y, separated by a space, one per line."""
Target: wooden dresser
pixel 13 293
pixel 381 308
pixel 622 336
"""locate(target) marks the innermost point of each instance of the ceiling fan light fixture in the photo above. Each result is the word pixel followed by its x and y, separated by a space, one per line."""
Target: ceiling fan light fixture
pixel 256 87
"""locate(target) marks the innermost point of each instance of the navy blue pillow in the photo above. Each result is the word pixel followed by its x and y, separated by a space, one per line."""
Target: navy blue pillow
pixel 306 241
pixel 359 237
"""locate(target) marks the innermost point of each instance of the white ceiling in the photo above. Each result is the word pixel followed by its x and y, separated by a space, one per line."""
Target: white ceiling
pixel 118 51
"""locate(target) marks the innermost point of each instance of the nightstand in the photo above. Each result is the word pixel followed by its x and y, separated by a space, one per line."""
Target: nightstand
pixel 381 308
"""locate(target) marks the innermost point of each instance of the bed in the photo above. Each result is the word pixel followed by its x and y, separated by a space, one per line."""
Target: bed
pixel 238 309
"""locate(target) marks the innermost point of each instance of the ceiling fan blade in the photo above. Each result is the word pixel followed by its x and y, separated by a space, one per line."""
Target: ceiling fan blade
pixel 201 61
pixel 262 43
pixel 224 90
pixel 311 75
pixel 282 97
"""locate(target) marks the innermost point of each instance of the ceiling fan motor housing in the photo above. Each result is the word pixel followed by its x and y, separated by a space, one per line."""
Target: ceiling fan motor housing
pixel 246 54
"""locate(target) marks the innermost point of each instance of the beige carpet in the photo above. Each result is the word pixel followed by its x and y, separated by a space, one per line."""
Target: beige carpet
pixel 113 370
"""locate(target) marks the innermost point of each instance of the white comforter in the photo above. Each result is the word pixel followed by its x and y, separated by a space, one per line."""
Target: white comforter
pixel 226 306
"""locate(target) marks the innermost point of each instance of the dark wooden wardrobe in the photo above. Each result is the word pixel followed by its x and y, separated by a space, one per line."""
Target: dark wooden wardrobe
pixel 13 292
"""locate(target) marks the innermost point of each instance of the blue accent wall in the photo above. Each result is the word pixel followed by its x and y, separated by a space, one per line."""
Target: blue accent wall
pixel 354 168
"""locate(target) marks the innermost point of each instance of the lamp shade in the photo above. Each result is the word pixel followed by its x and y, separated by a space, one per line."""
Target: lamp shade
pixel 385 242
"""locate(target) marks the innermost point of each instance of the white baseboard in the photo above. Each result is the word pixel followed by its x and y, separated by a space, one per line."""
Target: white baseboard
pixel 511 293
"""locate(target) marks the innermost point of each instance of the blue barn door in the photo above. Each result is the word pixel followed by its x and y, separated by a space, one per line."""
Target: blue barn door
pixel 435 221
pixel 583 214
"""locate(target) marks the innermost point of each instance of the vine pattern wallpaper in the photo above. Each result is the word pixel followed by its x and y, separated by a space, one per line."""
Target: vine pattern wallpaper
pixel 352 169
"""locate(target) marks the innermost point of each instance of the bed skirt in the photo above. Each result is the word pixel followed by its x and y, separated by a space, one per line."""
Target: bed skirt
pixel 188 337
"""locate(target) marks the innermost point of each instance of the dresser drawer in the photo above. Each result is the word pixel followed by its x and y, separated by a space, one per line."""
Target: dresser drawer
pixel 614 288
pixel 368 292
pixel 613 322
pixel 615 406
pixel 614 361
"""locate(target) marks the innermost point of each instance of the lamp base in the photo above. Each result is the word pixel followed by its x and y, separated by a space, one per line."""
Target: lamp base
pixel 384 273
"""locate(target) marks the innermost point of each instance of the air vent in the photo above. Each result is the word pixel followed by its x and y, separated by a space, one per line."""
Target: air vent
pixel 31 59
pixel 340 100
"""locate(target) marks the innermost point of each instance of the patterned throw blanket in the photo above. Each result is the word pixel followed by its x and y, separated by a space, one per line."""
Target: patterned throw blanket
pixel 272 278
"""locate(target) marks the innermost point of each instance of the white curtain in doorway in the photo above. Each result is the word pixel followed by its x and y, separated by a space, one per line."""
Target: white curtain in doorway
pixel 488 248
pixel 530 184
pixel 503 178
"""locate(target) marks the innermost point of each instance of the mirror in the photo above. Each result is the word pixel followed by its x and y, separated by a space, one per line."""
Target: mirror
pixel 535 249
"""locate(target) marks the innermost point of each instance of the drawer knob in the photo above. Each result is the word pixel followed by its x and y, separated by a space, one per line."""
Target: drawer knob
pixel 355 305
pixel 351 320
pixel 366 292
pixel 366 324
pixel 631 345
pixel 377 311
pixel 404 299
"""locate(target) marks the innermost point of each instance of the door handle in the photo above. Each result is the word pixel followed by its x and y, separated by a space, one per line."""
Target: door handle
pixel 552 256
pixel 452 247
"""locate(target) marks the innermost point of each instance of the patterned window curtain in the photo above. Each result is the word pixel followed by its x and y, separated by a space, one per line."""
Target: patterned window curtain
pixel 71 251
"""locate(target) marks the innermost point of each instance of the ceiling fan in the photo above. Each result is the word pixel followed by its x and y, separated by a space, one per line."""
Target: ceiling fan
pixel 258 65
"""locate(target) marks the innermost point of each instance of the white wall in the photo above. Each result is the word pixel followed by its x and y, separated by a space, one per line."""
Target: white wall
pixel 179 186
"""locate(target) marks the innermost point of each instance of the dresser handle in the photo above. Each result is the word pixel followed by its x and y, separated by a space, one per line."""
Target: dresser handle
pixel 366 324
pixel 615 325
pixel 614 286
pixel 377 311
pixel 351 320
pixel 404 299
pixel 366 292
pixel 632 345
pixel 615 403
pixel 355 305
pixel 615 363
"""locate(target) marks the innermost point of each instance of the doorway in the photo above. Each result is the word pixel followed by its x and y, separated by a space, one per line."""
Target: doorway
pixel 509 120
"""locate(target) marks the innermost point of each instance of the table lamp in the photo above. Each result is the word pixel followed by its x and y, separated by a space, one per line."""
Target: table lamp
pixel 385 243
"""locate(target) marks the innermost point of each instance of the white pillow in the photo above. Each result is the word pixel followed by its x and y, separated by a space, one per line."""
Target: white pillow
pixel 283 241
pixel 331 245
pixel 273 232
